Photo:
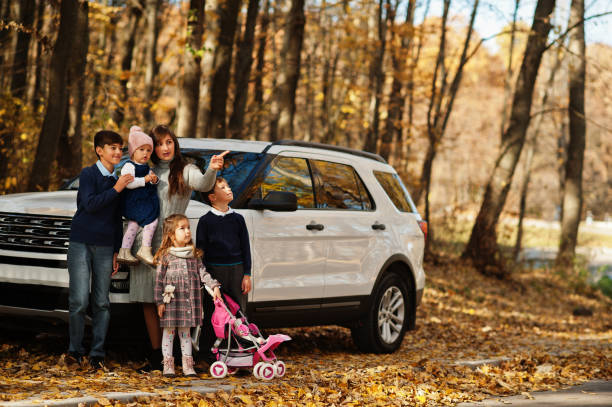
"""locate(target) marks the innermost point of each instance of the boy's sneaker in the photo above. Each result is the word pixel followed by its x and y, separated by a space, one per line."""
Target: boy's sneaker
pixel 73 359
pixel 97 362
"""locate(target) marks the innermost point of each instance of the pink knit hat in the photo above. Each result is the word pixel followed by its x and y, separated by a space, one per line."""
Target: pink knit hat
pixel 138 138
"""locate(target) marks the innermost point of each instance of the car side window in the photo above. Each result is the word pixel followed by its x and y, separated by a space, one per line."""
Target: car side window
pixel 290 174
pixel 395 190
pixel 338 187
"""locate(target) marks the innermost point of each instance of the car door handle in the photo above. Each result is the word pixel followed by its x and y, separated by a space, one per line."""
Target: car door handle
pixel 315 226
pixel 378 226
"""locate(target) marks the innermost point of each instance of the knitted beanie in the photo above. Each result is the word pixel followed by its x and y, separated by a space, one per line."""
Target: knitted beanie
pixel 138 138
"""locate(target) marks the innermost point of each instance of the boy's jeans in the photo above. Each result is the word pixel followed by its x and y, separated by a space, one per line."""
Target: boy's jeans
pixel 85 261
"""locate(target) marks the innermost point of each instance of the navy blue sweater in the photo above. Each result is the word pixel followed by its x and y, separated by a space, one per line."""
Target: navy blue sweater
pixel 97 220
pixel 224 240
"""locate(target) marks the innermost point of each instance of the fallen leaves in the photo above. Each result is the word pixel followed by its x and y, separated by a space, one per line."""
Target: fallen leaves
pixel 497 338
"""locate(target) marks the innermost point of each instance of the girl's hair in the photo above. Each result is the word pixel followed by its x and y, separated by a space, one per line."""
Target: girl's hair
pixel 170 225
pixel 176 182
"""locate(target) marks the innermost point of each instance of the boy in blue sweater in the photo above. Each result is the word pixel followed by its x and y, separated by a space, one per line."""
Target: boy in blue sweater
pixel 222 235
pixel 95 239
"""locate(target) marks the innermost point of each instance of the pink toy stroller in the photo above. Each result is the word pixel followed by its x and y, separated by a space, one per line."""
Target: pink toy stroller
pixel 239 343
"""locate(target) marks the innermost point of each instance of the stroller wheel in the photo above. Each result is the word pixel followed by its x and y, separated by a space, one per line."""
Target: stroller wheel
pixel 256 369
pixel 279 368
pixel 232 370
pixel 218 370
pixel 266 372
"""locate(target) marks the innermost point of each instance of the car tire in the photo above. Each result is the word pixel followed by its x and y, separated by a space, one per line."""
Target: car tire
pixel 383 328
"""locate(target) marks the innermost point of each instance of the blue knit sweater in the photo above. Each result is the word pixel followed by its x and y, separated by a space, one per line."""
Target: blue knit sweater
pixel 97 220
pixel 224 238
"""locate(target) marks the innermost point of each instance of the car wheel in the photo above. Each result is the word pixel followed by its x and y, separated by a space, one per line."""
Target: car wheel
pixel 383 329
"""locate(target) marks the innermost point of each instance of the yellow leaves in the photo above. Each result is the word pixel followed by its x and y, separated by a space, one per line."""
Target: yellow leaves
pixel 245 399
pixel 104 401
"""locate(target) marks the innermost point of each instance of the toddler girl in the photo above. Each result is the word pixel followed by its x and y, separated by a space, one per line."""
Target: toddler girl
pixel 177 290
pixel 139 203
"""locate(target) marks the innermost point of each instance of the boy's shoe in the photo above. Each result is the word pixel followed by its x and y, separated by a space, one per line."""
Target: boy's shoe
pixel 154 362
pixel 169 367
pixel 73 359
pixel 97 362
pixel 188 369
pixel 144 254
pixel 125 257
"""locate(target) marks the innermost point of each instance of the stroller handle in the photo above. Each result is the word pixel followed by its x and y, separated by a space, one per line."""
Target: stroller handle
pixel 210 291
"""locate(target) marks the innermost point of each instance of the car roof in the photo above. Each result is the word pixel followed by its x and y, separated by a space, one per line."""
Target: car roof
pixel 263 146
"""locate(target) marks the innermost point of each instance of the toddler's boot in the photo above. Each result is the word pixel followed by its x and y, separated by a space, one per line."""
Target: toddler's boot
pixel 169 367
pixel 144 254
pixel 188 369
pixel 125 257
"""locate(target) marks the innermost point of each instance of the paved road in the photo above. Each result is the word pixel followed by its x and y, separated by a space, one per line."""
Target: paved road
pixel 591 394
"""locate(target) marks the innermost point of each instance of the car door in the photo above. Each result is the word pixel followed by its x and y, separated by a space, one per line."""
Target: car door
pixel 357 237
pixel 288 255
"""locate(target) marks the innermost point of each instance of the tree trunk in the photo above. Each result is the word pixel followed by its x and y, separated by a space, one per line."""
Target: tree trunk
pixel 5 39
pixel 377 77
pixel 151 65
pixel 212 8
pixel 510 70
pixel 18 84
pixel 482 247
pixel 190 81
pixel 56 108
pixel 70 150
pixel 281 125
pixel 393 125
pixel 531 149
pixel 572 196
pixel 20 59
pixel 242 73
pixel 128 40
pixel 35 92
pixel 222 67
pixel 259 70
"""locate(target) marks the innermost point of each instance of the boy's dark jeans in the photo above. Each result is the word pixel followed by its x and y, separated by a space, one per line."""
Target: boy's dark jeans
pixel 85 262
pixel 230 278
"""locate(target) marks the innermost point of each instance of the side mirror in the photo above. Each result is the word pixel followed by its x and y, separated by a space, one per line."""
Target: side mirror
pixel 278 201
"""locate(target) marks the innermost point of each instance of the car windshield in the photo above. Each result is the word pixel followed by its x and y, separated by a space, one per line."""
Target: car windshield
pixel 236 169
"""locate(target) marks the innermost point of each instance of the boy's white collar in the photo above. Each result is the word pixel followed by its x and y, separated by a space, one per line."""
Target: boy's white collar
pixel 219 213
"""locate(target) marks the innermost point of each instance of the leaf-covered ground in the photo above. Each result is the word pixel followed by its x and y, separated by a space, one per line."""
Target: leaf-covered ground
pixel 464 317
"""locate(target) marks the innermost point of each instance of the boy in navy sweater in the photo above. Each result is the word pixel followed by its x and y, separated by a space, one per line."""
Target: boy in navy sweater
pixel 222 235
pixel 95 239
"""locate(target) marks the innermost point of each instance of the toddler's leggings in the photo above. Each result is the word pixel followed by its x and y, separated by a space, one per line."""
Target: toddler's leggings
pixel 168 341
pixel 132 229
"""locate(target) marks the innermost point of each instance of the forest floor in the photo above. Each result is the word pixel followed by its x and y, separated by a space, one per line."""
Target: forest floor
pixel 525 326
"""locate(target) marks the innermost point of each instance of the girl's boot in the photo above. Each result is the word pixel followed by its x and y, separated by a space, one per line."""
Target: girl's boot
pixel 145 255
pixel 188 369
pixel 125 257
pixel 169 367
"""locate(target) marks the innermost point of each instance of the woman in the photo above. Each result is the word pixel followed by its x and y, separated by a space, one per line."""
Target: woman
pixel 177 179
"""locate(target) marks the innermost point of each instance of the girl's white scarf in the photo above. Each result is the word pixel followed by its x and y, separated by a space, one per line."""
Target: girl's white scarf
pixel 182 252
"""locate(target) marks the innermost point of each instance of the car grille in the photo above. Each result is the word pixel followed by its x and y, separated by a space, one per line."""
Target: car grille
pixel 34 233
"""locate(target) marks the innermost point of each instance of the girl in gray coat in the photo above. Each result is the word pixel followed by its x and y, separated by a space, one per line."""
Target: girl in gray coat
pixel 177 290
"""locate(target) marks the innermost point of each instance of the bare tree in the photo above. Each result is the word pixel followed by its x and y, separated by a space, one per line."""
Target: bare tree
pixel 572 195
pixel 377 75
pixel 242 71
pixel 127 41
pixel 190 80
pixel 393 125
pixel 211 38
pixel 281 124
pixel 259 69
pixel 35 92
pixel 56 108
pixel 532 148
pixel 151 10
pixel 509 70
pixel 221 69
pixel 70 150
pixel 482 246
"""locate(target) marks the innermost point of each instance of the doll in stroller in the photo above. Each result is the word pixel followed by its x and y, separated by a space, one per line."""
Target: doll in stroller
pixel 240 344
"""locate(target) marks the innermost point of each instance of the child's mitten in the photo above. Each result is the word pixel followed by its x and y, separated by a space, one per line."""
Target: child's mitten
pixel 168 293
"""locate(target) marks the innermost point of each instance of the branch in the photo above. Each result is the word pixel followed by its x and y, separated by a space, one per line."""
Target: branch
pixel 570 28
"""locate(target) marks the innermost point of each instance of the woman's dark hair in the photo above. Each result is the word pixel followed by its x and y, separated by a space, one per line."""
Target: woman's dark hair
pixel 104 137
pixel 176 182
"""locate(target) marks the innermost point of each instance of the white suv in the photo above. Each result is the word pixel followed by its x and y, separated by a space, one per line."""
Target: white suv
pixel 335 239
